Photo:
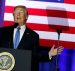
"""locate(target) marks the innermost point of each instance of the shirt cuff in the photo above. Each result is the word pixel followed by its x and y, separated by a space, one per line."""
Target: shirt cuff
pixel 50 57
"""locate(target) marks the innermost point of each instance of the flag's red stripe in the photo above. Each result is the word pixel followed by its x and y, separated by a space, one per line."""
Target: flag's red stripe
pixel 52 28
pixel 69 1
pixel 49 43
pixel 7 23
pixel 45 12
pixel 45 27
pixel 51 13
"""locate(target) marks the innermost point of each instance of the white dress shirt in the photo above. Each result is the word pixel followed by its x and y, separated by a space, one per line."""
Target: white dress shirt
pixel 22 30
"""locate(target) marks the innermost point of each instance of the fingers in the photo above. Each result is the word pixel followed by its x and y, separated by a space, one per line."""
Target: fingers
pixel 55 51
pixel 60 49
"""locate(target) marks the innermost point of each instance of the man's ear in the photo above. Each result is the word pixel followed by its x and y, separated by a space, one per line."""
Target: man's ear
pixel 26 17
pixel 13 14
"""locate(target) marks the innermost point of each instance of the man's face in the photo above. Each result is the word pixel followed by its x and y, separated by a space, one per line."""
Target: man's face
pixel 19 16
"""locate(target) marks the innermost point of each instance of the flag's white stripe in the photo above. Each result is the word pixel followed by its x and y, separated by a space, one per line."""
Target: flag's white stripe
pixel 45 20
pixel 41 5
pixel 8 17
pixel 54 36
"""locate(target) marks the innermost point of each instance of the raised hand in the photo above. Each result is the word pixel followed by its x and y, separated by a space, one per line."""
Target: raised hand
pixel 54 51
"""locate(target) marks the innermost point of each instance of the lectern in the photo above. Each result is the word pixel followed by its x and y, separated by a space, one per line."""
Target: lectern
pixel 15 60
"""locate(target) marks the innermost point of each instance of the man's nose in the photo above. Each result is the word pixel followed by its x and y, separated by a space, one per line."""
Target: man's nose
pixel 18 14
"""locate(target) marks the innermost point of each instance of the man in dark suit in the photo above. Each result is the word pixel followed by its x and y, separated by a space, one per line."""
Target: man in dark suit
pixel 28 39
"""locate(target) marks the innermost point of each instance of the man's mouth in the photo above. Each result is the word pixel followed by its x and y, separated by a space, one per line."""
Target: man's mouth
pixel 18 18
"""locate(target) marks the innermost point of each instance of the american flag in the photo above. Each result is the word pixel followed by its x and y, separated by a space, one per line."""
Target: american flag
pixel 45 17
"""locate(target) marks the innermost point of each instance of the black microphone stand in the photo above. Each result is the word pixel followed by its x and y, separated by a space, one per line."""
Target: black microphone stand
pixel 58 44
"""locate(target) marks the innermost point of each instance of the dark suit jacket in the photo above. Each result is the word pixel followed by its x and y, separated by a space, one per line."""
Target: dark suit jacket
pixel 29 41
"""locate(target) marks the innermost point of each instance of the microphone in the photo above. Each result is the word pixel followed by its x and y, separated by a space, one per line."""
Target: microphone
pixel 15 25
pixel 58 32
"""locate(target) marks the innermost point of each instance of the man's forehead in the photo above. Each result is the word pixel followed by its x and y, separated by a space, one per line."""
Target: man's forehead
pixel 19 8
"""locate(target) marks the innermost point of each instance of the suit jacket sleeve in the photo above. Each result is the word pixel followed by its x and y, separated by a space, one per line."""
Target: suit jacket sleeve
pixel 40 53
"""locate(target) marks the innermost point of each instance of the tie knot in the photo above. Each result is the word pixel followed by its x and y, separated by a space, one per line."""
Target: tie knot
pixel 18 28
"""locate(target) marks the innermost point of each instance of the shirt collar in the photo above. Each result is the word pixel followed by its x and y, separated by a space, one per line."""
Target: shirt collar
pixel 23 27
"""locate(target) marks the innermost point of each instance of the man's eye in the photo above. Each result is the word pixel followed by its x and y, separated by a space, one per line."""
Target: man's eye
pixel 20 12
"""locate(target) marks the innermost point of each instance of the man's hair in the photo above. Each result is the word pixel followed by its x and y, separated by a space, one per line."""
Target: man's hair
pixel 21 6
pixel 24 7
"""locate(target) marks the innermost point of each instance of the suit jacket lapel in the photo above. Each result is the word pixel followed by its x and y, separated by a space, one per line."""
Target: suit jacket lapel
pixel 11 37
pixel 24 38
pixel 23 41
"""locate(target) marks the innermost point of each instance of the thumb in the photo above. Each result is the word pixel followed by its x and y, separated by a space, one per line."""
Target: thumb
pixel 53 47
